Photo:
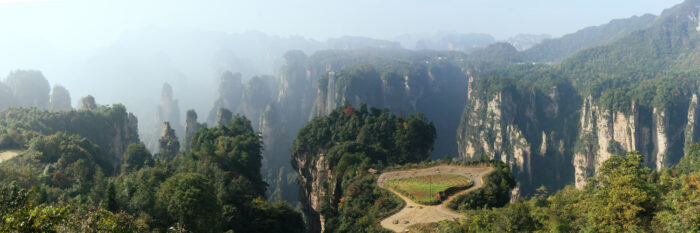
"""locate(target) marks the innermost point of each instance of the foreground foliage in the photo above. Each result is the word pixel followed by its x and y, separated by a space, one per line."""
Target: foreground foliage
pixel 624 197
pixel 64 182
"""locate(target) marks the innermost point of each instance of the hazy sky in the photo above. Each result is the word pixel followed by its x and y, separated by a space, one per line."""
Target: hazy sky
pixel 92 23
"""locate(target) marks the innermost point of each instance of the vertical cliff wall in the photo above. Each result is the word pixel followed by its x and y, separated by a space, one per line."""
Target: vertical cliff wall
pixel 432 86
pixel 553 138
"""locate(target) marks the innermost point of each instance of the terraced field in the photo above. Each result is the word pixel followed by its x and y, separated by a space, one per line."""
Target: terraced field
pixel 425 189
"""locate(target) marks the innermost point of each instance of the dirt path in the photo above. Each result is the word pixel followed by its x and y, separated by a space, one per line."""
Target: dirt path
pixel 8 154
pixel 413 212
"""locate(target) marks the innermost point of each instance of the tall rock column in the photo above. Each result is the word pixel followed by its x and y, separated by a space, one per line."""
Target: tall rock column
pixel 168 145
pixel 191 127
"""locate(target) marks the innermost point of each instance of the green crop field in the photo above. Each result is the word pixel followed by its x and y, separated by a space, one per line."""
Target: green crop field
pixel 423 189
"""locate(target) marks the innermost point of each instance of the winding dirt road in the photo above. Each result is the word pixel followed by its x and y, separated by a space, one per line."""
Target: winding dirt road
pixel 414 213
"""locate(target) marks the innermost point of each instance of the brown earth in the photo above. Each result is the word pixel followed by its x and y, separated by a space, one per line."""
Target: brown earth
pixel 414 213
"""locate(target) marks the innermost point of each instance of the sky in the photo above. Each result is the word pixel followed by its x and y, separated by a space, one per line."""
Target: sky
pixel 84 24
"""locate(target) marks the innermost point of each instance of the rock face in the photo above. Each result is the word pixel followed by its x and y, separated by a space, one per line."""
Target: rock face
pixel 435 88
pixel 428 85
pixel 281 121
pixel 168 145
pixel 123 132
pixel 169 110
pixel 60 99
pixel 315 172
pixel 256 96
pixel 223 117
pixel 88 102
pixel 230 95
pixel 191 127
pixel 500 137
pixel 29 88
pixel 549 141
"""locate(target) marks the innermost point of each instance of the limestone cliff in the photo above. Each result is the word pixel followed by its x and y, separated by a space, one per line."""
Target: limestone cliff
pixel 191 127
pixel 230 95
pixel 313 181
pixel 435 88
pixel 515 125
pixel 489 129
pixel 281 120
pixel 124 132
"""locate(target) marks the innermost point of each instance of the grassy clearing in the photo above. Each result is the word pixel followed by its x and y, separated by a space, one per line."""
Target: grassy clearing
pixel 424 189
pixel 8 154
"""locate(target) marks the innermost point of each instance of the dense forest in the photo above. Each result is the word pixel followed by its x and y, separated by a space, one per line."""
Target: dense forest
pixel 624 197
pixel 66 179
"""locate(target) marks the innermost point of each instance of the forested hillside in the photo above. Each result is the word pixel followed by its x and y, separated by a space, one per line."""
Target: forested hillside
pixel 335 157
pixel 623 197
pixel 638 93
pixel 86 171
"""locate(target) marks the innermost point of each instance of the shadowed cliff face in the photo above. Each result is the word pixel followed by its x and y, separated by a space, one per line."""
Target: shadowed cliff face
pixel 429 84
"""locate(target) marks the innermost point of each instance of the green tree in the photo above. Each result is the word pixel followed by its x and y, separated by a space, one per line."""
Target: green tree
pixel 136 156
pixel 621 199
pixel 189 199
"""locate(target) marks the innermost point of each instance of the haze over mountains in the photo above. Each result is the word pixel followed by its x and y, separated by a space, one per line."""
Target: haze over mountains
pixel 192 63
pixel 594 131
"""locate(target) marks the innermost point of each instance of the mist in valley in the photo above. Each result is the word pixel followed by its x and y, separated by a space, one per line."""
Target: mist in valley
pixel 493 80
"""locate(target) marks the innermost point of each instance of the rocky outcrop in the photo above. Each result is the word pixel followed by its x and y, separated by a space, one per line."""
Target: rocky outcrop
pixel 60 99
pixel 314 178
pixel 230 95
pixel 256 96
pixel 191 127
pixel 500 138
pixel 437 89
pixel 660 121
pixel 223 117
pixel 125 132
pixel 168 110
pixel 281 121
pixel 691 134
pixel 506 125
pixel 168 145
pixel 88 103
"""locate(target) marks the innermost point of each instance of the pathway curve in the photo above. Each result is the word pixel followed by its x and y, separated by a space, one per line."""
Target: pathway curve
pixel 414 213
